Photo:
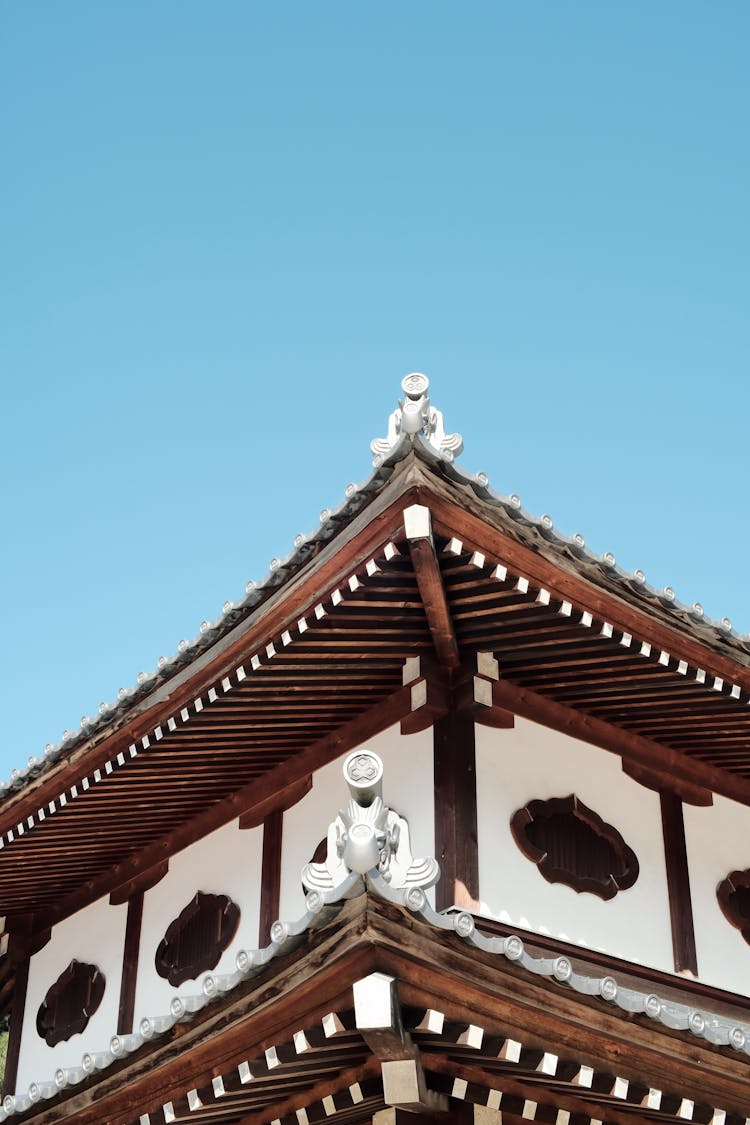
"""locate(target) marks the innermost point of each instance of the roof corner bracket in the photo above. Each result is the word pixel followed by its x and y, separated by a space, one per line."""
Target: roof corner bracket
pixel 377 1014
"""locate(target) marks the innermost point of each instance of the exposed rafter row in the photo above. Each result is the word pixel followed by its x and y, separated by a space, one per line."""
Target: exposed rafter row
pixel 202 702
pixel 530 593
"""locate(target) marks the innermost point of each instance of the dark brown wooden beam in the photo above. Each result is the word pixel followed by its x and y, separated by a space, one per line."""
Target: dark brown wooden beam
pixel 129 979
pixel 456 812
pixel 678 883
pixel 377 718
pixel 430 583
pixel 597 732
pixel 19 954
pixel 270 887
pixel 18 1003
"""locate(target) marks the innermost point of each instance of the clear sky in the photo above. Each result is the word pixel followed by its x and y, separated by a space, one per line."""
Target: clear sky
pixel 228 229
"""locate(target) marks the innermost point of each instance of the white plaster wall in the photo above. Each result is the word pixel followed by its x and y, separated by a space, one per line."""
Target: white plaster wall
pixel 95 935
pixel 228 862
pixel 530 762
pixel 718 842
pixel 407 788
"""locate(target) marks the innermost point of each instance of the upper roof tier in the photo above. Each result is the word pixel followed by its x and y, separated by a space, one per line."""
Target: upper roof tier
pixel 415 429
pixel 421 559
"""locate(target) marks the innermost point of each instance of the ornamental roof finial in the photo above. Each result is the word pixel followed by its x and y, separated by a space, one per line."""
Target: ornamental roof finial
pixel 416 417
pixel 368 837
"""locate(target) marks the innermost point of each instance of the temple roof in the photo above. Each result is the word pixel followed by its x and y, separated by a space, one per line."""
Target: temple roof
pixel 424 439
pixel 421 560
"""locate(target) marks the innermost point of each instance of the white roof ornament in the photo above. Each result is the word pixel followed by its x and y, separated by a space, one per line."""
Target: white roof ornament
pixel 368 838
pixel 415 416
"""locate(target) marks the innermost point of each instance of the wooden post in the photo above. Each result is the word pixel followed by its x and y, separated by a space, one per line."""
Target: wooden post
pixel 19 953
pixel 129 977
pixel 678 883
pixel 18 1004
pixel 270 891
pixel 456 811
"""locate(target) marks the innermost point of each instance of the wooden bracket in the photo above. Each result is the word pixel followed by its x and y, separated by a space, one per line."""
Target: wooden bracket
pixel 418 527
pixel 473 693
pixel 27 934
pixel 430 695
pixel 377 1015
pixel 139 884
pixel 668 783
pixel 436 690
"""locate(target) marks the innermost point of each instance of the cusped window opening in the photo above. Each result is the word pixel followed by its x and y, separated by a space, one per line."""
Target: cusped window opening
pixel 70 1003
pixel 571 844
pixel 196 939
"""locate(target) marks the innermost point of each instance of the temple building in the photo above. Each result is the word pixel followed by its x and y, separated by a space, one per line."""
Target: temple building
pixel 446 818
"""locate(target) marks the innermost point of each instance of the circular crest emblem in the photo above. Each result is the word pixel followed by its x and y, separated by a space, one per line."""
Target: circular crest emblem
pixel 363 768
pixel 415 385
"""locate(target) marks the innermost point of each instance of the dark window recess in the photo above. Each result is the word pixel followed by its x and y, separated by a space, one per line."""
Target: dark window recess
pixel 196 939
pixel 733 894
pixel 70 1003
pixel 571 844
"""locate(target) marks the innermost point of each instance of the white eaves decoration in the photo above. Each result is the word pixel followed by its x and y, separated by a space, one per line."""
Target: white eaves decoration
pixel 416 416
pixel 368 837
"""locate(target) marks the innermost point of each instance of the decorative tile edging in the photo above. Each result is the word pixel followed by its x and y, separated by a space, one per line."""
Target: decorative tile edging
pixel 713 1028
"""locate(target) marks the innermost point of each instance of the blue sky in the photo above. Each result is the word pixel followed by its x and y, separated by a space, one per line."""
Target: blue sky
pixel 229 229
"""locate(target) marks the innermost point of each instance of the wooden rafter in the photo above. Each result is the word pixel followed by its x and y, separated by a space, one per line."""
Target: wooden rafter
pixel 258 793
pixel 427 569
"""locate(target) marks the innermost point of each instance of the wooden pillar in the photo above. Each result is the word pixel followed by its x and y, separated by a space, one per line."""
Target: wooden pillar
pixel 18 1004
pixel 19 954
pixel 270 891
pixel 678 883
pixel 456 811
pixel 129 977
